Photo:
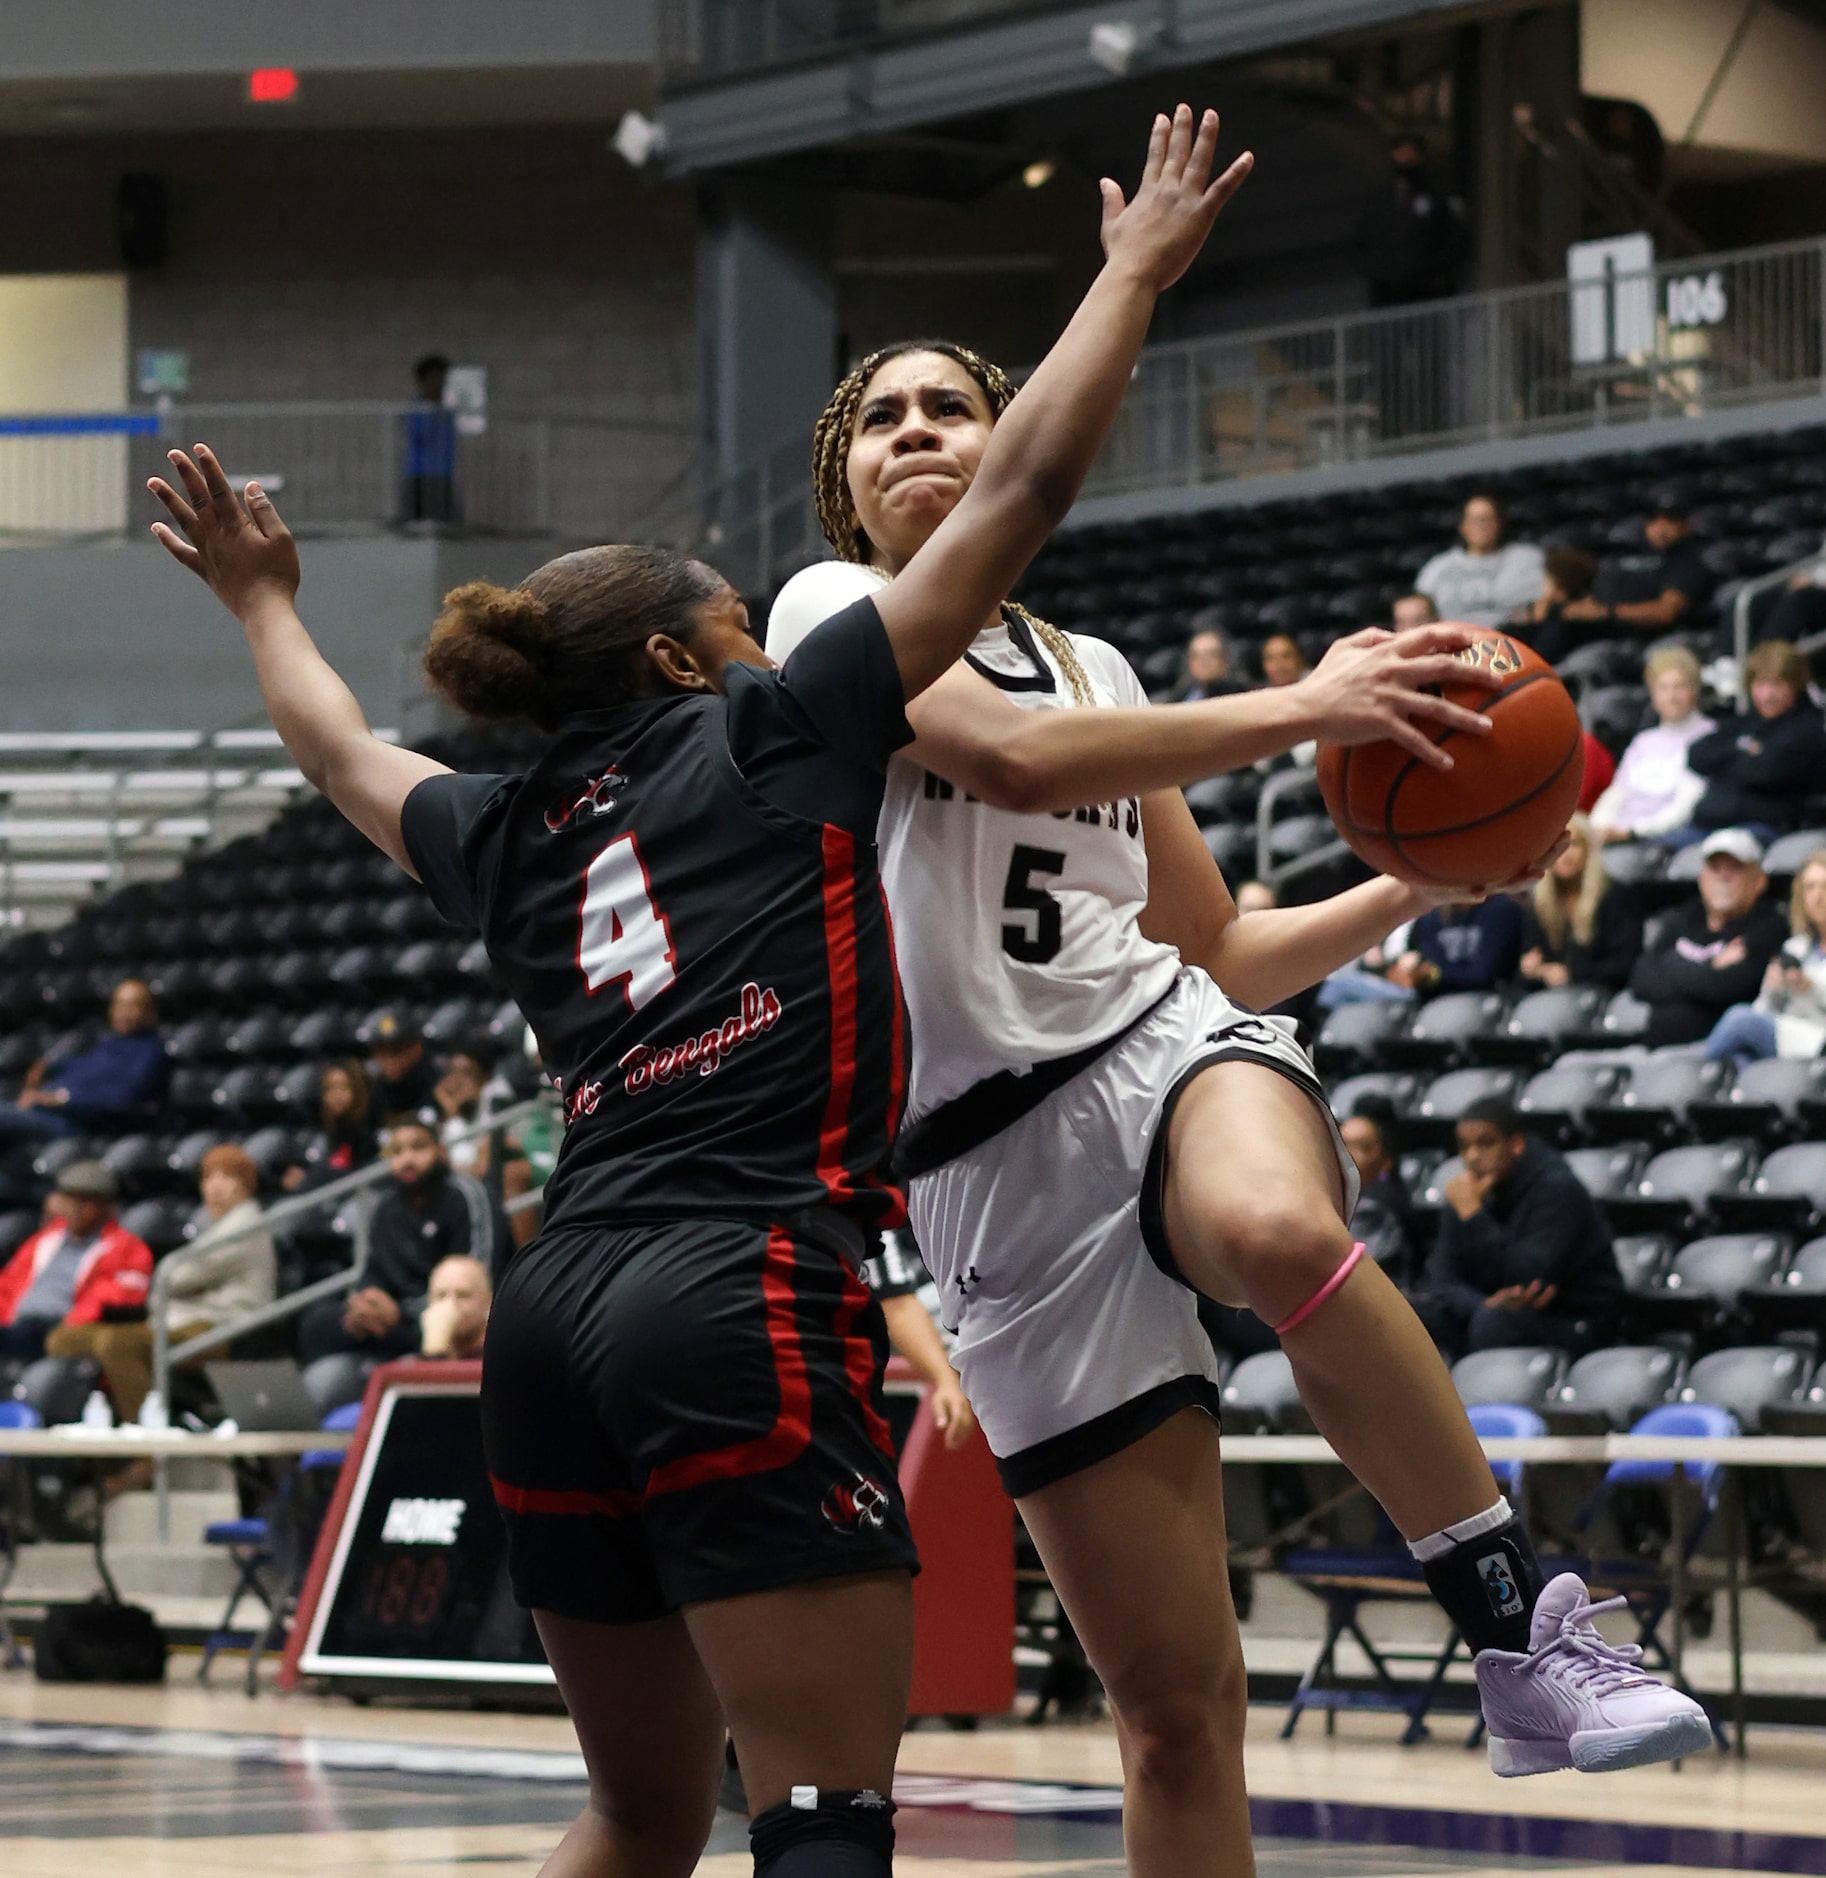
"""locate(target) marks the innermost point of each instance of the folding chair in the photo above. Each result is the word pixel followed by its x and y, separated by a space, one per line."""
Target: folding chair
pixel 1650 1590
pixel 280 1542
pixel 1345 1580
pixel 12 1415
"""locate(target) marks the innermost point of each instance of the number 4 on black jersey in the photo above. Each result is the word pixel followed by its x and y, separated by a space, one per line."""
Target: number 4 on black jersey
pixel 682 895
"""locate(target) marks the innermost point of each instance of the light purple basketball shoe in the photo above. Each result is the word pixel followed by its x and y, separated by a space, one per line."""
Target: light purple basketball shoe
pixel 1576 1701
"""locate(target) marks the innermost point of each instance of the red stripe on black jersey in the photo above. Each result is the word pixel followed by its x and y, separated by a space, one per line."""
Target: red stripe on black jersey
pixel 840 952
pixel 897 1072
pixel 791 1433
pixel 614 1505
pixel 859 1359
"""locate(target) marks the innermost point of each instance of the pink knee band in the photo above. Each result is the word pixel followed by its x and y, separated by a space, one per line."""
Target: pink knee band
pixel 1324 1291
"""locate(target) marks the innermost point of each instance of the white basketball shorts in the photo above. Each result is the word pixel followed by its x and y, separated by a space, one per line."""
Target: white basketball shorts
pixel 1074 1339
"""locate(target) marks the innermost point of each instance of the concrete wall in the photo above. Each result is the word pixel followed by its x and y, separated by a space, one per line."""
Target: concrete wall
pixel 121 638
pixel 317 265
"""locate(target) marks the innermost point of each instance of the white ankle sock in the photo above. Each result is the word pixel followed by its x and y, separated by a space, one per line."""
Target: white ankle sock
pixel 1438 1544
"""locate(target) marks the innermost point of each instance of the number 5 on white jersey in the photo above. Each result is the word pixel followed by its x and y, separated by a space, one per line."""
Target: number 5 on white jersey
pixel 622 937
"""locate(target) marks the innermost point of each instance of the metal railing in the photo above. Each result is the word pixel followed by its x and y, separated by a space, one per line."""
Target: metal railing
pixel 701 40
pixel 282 1213
pixel 345 467
pixel 1678 340
pixel 87 811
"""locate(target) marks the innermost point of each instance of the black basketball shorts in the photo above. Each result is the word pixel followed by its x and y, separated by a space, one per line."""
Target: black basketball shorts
pixel 678 1414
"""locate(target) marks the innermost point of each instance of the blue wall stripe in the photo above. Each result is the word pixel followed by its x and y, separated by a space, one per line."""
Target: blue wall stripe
pixel 98 424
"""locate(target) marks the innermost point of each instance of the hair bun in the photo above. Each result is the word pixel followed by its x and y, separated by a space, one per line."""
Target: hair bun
pixel 489 650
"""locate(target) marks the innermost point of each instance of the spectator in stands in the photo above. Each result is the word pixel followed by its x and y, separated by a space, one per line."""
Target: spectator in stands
pixel 103 1089
pixel 1578 926
pixel 1653 589
pixel 83 1267
pixel 1789 1015
pixel 1487 580
pixel 224 1273
pixel 1461 948
pixel 1566 576
pixel 344 1139
pixel 1283 663
pixel 428 468
pixel 1370 979
pixel 1523 1255
pixel 1712 952
pixel 1795 613
pixel 1654 793
pixel 405 1083
pixel 1759 768
pixel 1415 243
pixel 1600 772
pixel 471 1091
pixel 425 1213
pixel 1384 1219
pixel 1412 609
pixel 457 1302
pixel 1208 668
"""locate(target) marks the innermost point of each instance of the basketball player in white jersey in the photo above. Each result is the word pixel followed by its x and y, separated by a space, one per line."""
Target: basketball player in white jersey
pixel 1098 1132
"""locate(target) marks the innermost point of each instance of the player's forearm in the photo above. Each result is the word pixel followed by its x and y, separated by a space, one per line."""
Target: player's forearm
pixel 313 710
pixel 1261 958
pixel 1068 759
pixel 913 1333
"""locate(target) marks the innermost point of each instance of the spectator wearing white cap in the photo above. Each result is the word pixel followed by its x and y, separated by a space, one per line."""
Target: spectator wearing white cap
pixel 1714 951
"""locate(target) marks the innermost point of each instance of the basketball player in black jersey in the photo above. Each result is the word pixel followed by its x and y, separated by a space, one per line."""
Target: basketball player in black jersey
pixel 681 1390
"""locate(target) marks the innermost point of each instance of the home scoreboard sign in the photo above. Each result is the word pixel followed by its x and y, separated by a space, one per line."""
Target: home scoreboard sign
pixel 409 1580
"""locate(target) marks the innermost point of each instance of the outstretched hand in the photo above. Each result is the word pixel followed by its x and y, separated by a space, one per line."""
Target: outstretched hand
pixel 1176 203
pixel 240 551
pixel 1376 685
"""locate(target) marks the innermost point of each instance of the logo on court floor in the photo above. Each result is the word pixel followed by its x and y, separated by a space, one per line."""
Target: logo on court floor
pixel 1500 1586
pixel 862 1503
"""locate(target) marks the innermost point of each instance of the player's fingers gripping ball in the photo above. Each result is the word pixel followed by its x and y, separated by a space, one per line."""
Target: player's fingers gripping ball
pixel 1498 811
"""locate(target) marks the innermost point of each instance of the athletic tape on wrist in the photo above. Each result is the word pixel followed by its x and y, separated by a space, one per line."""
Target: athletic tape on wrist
pixel 1324 1291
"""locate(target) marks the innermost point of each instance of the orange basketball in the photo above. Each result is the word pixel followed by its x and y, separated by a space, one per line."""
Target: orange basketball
pixel 1502 805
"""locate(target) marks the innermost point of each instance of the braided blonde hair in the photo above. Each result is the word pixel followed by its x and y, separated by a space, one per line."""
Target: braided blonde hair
pixel 837 508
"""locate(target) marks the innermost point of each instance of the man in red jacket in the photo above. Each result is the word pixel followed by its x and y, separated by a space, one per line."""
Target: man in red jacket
pixel 82 1267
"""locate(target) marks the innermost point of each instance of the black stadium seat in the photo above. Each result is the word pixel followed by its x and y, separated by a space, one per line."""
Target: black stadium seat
pixel 1795 1301
pixel 1789 1190
pixel 1700 1291
pixel 1608 1391
pixel 1447 1031
pixel 1538 1027
pixel 1764 1101
pixel 1653 1104
pixel 162 1222
pixel 1684 1186
pixel 1352 1037
pixel 1605 1173
pixel 1746 1381
pixel 1395 1087
pixel 1528 1376
pixel 1555 1102
pixel 1260 1396
pixel 1451 1094
pixel 138 1164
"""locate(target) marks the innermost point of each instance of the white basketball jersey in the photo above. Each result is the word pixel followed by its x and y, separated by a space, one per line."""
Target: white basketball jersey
pixel 1017 935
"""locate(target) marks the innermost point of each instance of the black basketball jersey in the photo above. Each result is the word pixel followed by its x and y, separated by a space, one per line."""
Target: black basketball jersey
pixel 682 895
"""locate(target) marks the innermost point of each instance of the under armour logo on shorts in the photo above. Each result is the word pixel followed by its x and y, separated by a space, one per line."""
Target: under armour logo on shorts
pixel 1500 1585
pixel 1250 1031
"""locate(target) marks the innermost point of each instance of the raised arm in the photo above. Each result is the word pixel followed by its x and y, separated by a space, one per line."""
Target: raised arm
pixel 1048 437
pixel 1367 687
pixel 246 556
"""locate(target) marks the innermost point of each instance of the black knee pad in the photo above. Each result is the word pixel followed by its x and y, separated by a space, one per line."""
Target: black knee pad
pixel 840 1835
